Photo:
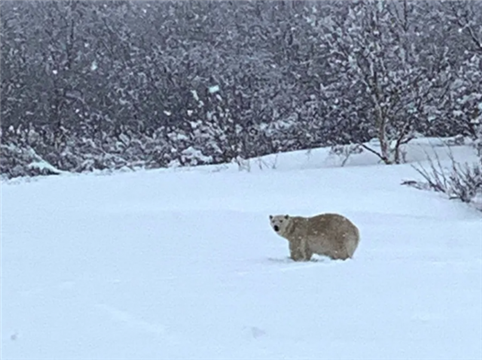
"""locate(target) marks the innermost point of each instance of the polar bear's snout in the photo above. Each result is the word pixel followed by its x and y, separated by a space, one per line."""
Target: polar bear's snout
pixel 276 228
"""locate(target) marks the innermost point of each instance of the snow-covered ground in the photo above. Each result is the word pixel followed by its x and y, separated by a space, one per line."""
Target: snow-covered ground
pixel 182 264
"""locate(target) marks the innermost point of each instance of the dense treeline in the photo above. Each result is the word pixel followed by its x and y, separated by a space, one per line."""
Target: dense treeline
pixel 104 85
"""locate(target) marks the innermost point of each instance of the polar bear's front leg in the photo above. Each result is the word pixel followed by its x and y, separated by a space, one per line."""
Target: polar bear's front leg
pixel 299 251
pixel 305 250
pixel 295 251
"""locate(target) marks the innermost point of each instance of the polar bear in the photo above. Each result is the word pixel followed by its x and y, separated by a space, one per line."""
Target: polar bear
pixel 331 235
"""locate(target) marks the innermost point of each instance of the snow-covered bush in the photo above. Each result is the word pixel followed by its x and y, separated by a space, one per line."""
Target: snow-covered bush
pixel 233 81
pixel 462 181
pixel 18 161
pixel 345 151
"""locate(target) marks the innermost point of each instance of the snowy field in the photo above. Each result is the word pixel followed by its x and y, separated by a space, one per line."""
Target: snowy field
pixel 182 264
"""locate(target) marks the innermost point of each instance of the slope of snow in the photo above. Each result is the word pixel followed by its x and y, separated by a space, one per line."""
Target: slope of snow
pixel 171 264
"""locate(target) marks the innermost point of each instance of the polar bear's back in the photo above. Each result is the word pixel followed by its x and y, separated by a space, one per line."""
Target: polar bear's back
pixel 328 234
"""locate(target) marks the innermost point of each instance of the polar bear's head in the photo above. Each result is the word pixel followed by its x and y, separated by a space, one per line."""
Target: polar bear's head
pixel 279 223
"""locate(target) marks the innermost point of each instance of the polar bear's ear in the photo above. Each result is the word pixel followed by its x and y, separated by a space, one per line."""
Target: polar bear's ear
pixel 271 217
pixel 286 217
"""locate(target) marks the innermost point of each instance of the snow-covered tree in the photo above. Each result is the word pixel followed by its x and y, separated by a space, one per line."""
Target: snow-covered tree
pixel 108 85
pixel 465 19
pixel 385 74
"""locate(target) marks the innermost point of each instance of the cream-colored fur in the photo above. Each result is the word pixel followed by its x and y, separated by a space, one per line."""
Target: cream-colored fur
pixel 331 235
